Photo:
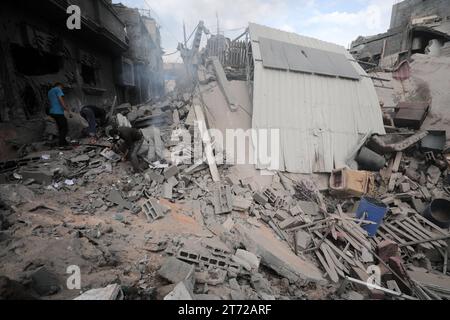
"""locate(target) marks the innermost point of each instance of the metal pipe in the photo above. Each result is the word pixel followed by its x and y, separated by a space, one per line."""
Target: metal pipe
pixel 376 287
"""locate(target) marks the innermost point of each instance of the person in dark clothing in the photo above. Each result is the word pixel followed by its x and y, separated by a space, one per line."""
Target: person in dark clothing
pixel 133 140
pixel 94 116
pixel 56 111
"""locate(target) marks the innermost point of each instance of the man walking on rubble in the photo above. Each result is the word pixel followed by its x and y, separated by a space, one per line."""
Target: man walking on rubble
pixel 133 140
pixel 56 111
pixel 93 115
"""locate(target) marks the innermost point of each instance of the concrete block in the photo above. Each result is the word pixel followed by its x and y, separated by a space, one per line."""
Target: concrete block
pixel 387 249
pixel 260 198
pixel 180 292
pixel 175 270
pixel 282 215
pixel 241 204
pixel 289 222
pixel 170 172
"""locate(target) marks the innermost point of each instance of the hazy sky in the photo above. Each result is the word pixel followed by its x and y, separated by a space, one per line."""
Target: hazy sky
pixel 338 21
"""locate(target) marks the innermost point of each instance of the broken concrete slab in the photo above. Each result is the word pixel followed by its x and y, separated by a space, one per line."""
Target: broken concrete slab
pixel 111 292
pixel 175 270
pixel 249 257
pixel 303 239
pixel 170 172
pixel 309 208
pixel 277 256
pixel 260 198
pixel 180 292
pixel 241 204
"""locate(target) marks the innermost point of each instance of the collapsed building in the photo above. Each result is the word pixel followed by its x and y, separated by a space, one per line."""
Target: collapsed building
pixel 416 27
pixel 352 191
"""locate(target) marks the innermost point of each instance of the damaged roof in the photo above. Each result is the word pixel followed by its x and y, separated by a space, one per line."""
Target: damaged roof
pixel 322 101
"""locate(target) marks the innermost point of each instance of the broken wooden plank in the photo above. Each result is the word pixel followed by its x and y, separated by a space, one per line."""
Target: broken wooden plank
pixel 425 230
pixel 201 122
pixel 330 271
pixel 397 161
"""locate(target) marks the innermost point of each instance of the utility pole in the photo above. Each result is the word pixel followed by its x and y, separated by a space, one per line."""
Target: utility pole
pixel 184 32
pixel 218 24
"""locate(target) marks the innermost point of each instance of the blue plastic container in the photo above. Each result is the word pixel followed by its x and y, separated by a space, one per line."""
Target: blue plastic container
pixel 375 210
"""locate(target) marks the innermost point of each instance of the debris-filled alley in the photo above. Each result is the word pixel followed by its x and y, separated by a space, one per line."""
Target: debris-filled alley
pixel 153 201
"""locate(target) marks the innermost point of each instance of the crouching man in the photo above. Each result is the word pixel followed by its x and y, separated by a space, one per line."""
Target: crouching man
pixel 133 141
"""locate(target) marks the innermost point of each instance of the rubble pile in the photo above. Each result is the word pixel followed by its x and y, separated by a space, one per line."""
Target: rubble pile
pixel 287 240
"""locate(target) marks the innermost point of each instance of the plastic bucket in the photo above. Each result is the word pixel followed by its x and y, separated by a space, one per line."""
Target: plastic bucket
pixel 369 160
pixel 372 210
pixel 438 212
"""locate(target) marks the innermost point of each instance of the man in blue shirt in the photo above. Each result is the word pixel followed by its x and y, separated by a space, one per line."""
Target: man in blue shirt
pixel 57 107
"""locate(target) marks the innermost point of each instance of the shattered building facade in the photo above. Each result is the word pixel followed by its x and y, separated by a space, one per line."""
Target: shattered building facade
pixel 98 63
pixel 417 26
pixel 145 54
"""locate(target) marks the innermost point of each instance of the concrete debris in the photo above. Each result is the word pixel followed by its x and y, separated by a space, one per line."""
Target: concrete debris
pixel 223 200
pixel 276 256
pixel 164 203
pixel 180 292
pixel 111 292
pixel 175 270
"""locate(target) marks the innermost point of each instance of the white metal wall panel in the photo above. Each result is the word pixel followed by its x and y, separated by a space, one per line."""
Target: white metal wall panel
pixel 321 119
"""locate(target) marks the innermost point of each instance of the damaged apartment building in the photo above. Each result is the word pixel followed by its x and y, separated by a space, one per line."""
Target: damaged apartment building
pixel 417 26
pixel 115 57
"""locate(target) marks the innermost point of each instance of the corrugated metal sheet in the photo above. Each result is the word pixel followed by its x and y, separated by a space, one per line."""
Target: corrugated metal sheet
pixel 321 119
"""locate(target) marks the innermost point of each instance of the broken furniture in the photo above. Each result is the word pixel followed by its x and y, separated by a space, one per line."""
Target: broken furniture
pixel 434 141
pixel 346 182
pixel 411 114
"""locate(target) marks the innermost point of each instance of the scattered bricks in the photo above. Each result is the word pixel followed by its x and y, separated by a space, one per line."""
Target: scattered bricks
pixel 180 292
pixel 387 249
pixel 303 239
pixel 289 223
pixel 429 156
pixel 233 179
pixel 153 210
pixel 189 256
pixel 260 198
pixel 175 270
pixel 405 187
pixel 249 257
pixel 173 181
pixel 282 215
pixel 153 176
pixel 241 204
pixel 222 200
pixel 170 172
pixel 397 266
pixel 270 195
pixel 353 295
